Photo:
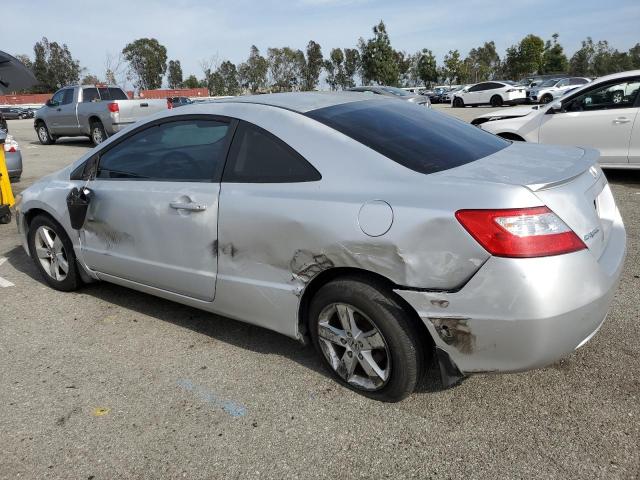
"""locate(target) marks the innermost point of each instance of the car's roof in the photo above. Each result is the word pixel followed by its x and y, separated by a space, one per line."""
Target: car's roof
pixel 300 101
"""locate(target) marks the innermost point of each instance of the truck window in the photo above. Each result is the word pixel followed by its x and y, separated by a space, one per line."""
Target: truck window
pixel 112 93
pixel 90 95
pixel 68 96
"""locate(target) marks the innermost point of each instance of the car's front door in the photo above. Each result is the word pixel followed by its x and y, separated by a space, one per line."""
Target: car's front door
pixel 52 110
pixel 66 118
pixel 475 94
pixel 601 117
pixel 153 218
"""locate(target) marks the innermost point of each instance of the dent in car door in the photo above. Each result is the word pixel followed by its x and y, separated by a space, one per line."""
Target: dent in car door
pixel 146 224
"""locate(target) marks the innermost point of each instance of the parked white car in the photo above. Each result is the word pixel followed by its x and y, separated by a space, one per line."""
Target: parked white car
pixel 555 88
pixel 492 93
pixel 602 114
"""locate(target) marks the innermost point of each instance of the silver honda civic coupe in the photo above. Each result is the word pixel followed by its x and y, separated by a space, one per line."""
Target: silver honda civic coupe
pixel 384 233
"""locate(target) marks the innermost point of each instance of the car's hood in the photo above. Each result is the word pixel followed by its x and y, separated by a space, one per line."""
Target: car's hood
pixel 512 112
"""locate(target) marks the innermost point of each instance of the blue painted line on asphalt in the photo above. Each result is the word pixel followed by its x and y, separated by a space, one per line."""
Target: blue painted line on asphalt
pixel 229 406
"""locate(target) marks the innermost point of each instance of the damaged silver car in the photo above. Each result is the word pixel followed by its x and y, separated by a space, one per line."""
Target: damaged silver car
pixel 384 233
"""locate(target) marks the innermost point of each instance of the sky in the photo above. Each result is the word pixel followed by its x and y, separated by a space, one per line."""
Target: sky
pixel 195 30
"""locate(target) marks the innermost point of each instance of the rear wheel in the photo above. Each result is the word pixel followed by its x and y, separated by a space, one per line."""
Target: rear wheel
pixel 52 252
pixel 546 98
pixel 458 102
pixel 366 339
pixel 43 134
pixel 98 135
pixel 496 101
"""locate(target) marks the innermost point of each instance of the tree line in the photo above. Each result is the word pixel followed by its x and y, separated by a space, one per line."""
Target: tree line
pixel 143 63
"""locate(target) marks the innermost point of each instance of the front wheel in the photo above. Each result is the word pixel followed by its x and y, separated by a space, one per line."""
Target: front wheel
pixel 546 99
pixel 43 134
pixel 366 339
pixel 52 252
pixel 458 102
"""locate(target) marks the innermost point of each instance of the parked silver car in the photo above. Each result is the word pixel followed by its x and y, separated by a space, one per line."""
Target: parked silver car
pixel 394 92
pixel 378 230
pixel 13 158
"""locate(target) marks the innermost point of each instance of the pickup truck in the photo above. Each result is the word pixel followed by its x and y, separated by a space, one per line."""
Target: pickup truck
pixel 94 111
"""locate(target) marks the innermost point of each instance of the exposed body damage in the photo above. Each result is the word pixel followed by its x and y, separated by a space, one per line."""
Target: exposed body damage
pixel 252 253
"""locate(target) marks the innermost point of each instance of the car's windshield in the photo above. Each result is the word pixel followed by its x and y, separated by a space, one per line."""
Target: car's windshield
pixel 418 138
pixel 549 83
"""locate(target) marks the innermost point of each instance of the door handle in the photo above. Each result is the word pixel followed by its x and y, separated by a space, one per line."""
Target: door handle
pixel 192 206
pixel 621 120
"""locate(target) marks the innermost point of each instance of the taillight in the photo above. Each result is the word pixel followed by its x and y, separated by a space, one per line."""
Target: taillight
pixel 169 104
pixel 520 232
pixel 113 107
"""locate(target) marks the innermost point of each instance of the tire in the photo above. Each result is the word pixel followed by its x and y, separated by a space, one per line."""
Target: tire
pixel 43 134
pixel 97 133
pixel 458 103
pixel 53 251
pixel 392 365
pixel 496 101
pixel 546 99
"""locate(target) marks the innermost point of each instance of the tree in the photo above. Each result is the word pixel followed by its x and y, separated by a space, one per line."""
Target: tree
pixel 351 66
pixel 378 60
pixel 335 69
pixel 253 73
pixel 174 77
pixel 54 66
pixel 147 62
pixel 453 68
pixel 524 59
pixel 634 56
pixel 228 77
pixel 116 70
pixel 554 60
pixel 426 68
pixel 25 60
pixel 285 68
pixel 483 62
pixel 191 82
pixel 312 66
pixel 90 80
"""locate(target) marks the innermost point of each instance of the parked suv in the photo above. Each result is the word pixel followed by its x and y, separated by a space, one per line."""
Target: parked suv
pixel 494 93
pixel 554 88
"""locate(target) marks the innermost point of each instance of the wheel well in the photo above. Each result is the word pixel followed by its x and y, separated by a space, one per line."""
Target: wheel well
pixel 511 136
pixel 94 119
pixel 366 276
pixel 40 122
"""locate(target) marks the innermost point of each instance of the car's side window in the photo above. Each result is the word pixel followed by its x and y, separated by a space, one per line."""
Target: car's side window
pixel 90 95
pixel 191 150
pixel 68 96
pixel 562 83
pixel 257 156
pixel 621 94
pixel 477 88
pixel 57 97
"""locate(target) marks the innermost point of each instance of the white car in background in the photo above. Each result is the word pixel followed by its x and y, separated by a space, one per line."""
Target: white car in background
pixel 494 93
pixel 554 88
pixel 602 114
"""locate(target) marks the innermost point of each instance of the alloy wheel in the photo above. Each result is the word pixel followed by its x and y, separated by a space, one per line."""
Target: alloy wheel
pixel 43 134
pixel 51 253
pixel 97 135
pixel 354 347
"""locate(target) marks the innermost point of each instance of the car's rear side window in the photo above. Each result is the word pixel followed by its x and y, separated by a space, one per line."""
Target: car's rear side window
pixel 416 137
pixel 257 156
pixel 112 93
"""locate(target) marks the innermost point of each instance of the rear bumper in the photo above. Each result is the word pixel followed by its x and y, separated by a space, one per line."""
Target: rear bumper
pixel 519 314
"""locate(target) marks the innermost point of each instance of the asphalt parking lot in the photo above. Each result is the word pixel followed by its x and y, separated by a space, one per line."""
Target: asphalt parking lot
pixel 111 383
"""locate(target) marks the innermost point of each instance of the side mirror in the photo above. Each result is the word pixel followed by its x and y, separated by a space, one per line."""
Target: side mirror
pixel 555 107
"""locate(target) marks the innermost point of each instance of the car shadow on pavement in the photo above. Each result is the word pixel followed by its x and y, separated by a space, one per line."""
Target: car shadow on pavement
pixel 240 334
pixel 626 176
pixel 67 142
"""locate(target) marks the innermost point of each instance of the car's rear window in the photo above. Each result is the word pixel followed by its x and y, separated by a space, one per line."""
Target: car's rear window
pixel 112 93
pixel 414 136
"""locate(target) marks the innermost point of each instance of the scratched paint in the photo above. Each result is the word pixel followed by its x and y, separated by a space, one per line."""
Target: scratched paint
pixel 229 406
